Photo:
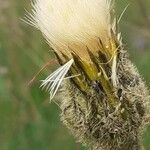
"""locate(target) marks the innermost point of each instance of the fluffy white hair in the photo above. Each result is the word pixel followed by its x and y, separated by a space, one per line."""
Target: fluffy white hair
pixel 73 23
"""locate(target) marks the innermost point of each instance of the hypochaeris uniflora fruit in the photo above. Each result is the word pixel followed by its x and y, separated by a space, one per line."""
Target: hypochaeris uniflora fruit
pixel 103 99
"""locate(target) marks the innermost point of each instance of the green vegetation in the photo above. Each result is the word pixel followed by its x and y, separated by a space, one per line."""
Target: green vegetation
pixel 27 120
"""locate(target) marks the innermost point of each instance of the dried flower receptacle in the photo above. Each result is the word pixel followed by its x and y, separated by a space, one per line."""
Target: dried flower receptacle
pixel 104 101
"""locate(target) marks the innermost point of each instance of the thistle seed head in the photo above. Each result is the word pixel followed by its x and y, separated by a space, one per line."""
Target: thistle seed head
pixel 104 101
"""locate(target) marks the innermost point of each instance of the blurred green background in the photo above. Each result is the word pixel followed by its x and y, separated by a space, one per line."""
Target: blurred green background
pixel 27 120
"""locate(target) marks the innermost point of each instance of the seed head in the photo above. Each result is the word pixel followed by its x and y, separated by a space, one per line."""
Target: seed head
pixel 104 101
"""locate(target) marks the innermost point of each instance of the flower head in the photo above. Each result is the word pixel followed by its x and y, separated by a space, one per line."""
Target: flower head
pixel 104 101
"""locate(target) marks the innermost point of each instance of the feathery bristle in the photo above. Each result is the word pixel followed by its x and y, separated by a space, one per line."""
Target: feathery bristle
pixel 54 80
